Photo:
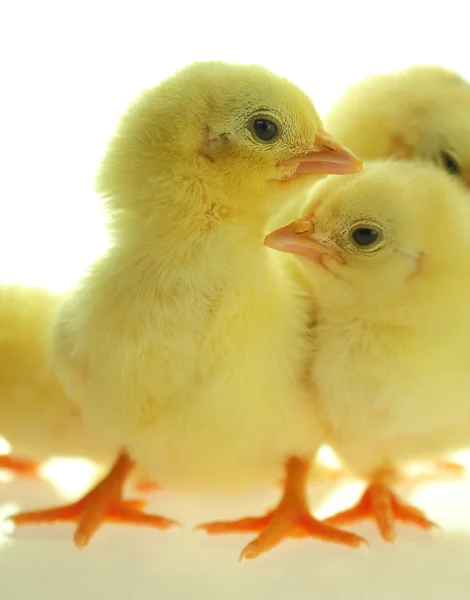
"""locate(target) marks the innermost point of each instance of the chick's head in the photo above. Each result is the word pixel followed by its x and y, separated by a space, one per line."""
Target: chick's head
pixel 420 113
pixel 365 237
pixel 439 118
pixel 445 135
pixel 240 130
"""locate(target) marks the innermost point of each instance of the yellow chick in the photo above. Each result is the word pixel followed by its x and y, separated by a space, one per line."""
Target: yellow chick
pixel 168 345
pixel 36 416
pixel 422 112
pixel 388 252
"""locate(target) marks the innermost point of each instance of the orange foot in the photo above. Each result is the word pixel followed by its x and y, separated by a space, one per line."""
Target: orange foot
pixel 380 503
pixel 19 466
pixel 103 503
pixel 447 466
pixel 146 486
pixel 442 469
pixel 291 518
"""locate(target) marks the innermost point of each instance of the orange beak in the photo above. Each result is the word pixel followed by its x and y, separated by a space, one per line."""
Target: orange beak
pixel 328 157
pixel 297 238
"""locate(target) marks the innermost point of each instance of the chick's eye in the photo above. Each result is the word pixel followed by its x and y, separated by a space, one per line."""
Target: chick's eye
pixel 449 163
pixel 365 236
pixel 264 129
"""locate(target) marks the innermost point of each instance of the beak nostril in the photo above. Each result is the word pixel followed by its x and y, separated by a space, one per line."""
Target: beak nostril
pixel 325 141
pixel 303 226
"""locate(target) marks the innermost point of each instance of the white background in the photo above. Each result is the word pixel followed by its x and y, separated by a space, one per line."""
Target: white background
pixel 67 71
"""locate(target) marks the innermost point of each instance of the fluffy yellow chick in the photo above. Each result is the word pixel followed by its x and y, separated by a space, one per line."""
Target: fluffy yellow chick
pixel 422 112
pixel 388 252
pixel 36 416
pixel 169 345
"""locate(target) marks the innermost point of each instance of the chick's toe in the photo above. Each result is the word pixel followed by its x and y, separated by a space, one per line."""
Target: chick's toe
pixel 19 466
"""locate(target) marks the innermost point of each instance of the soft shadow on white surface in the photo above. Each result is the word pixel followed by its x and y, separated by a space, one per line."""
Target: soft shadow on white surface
pixel 126 562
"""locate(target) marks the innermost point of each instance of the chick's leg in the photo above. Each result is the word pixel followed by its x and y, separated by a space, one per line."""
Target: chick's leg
pixel 27 468
pixel 380 503
pixel 103 503
pixel 291 518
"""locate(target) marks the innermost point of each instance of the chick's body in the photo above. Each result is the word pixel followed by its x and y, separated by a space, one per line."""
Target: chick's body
pixel 419 113
pixel 394 392
pixel 36 416
pixel 174 328
pixel 186 344
pixel 391 351
pixel 218 402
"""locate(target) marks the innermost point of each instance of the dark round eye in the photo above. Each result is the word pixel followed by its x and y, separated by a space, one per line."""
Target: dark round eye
pixel 264 129
pixel 365 236
pixel 449 163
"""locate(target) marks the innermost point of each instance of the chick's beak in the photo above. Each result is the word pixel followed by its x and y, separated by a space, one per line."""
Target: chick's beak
pixel 297 238
pixel 328 157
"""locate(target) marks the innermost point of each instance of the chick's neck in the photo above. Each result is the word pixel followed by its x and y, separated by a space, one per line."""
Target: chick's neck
pixel 428 302
pixel 201 241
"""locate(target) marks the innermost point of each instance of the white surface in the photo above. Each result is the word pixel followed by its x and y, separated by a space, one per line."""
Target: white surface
pixel 123 562
pixel 68 71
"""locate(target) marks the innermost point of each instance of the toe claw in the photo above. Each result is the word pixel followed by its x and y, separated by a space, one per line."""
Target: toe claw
pixel 249 552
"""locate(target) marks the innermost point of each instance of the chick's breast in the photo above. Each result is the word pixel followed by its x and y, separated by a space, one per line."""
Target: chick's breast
pixel 247 407
pixel 379 402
